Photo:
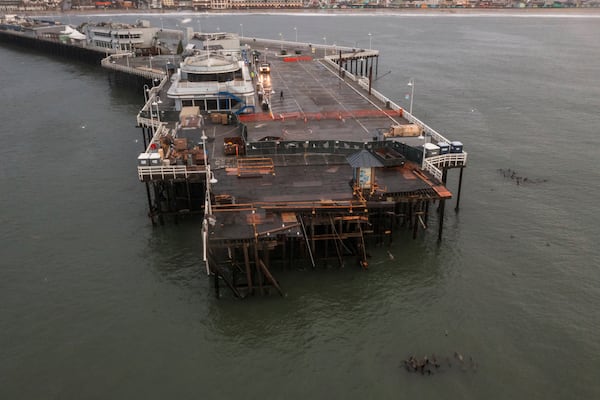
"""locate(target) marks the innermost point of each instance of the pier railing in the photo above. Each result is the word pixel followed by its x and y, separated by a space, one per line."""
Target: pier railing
pixel 313 48
pixel 150 94
pixel 161 172
pixel 434 164
pixel 112 62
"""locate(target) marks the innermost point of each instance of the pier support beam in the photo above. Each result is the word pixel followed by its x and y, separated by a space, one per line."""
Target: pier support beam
pixel 459 189
pixel 150 210
pixel 248 270
pixel 441 217
pixel 258 273
pixel 415 219
pixel 144 137
pixel 270 277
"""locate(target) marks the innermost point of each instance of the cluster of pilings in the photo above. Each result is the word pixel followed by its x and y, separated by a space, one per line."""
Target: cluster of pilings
pixel 359 63
pixel 320 239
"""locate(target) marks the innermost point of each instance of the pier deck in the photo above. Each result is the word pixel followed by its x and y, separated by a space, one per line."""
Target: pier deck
pixel 295 184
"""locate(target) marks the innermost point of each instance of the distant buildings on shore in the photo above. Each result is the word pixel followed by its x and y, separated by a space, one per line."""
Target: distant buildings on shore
pixel 196 5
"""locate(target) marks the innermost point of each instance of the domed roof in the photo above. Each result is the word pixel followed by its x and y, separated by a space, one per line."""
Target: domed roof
pixel 208 65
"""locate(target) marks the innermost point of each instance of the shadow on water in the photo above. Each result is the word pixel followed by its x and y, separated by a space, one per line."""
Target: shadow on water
pixel 174 252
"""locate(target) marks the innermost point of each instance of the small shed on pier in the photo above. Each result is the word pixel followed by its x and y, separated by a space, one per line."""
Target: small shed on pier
pixel 364 164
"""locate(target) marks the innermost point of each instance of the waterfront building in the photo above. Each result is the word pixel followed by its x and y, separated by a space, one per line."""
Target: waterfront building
pixel 215 78
pixel 140 38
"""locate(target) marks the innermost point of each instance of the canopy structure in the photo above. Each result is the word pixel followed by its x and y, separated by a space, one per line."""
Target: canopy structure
pixel 73 34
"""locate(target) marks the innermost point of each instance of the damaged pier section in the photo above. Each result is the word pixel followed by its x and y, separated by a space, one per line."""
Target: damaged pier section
pixel 326 167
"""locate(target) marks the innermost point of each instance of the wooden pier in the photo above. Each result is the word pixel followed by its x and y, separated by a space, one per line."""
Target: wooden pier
pixel 313 180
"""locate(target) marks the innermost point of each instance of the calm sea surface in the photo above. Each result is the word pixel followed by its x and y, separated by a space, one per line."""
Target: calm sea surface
pixel 97 304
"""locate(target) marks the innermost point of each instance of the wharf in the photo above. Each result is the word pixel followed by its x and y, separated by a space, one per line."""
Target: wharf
pixel 314 175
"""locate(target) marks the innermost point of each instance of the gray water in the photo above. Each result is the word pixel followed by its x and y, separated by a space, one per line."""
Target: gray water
pixel 96 303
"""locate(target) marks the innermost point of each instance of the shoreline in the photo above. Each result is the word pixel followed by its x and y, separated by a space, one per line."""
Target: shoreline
pixel 542 12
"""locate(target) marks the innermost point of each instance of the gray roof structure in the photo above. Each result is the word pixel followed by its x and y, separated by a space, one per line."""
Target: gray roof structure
pixel 364 159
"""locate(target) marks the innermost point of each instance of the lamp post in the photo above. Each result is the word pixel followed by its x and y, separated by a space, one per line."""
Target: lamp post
pixel 157 101
pixel 281 39
pixel 150 62
pixel 370 37
pixel 209 219
pixel 242 30
pixel 324 46
pixel 411 83
pixel 146 91
pixel 296 32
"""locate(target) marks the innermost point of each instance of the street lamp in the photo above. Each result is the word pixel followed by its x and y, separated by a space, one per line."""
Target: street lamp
pixel 209 219
pixel 281 39
pixel 296 31
pixel 325 46
pixel 411 83
pixel 156 103
pixel 207 206
pixel 370 37
pixel 242 30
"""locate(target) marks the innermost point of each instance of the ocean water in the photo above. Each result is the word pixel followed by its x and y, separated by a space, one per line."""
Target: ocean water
pixel 96 303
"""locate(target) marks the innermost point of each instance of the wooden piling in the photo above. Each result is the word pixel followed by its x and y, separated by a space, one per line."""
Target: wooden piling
pixel 459 189
pixel 248 270
pixel 269 277
pixel 441 218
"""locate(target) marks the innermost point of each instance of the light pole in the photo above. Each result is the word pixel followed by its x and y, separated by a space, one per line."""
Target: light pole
pixel 209 219
pixel 296 32
pixel 150 62
pixel 281 39
pixel 151 115
pixel 157 101
pixel 325 45
pixel 411 83
pixel 242 30
pixel 370 37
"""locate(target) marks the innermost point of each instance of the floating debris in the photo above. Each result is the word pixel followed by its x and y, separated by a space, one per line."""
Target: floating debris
pixel 429 365
pixel 518 179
